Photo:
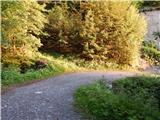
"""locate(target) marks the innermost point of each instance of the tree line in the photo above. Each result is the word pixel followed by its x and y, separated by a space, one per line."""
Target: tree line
pixel 91 30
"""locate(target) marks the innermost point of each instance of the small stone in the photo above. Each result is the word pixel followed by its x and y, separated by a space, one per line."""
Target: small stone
pixel 4 106
pixel 38 92
pixel 110 86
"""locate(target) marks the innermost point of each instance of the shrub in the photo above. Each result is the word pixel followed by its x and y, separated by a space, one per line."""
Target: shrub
pixel 39 64
pixel 135 85
pixel 152 54
pixel 62 30
pixel 138 3
pixel 99 102
pixel 23 67
pixel 151 44
pixel 151 3
pixel 97 31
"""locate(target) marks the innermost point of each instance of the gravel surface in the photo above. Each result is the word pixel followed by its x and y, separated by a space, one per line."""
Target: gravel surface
pixel 50 99
pixel 153 70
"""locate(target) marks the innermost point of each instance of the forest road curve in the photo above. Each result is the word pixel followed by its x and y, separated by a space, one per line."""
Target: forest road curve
pixel 51 99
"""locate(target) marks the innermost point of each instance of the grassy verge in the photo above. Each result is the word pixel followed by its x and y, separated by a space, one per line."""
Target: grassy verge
pixel 11 76
pixel 56 64
pixel 92 65
pixel 134 98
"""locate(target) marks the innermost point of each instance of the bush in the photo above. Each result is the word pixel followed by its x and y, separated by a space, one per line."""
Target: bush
pixel 62 30
pixel 151 54
pixel 134 85
pixel 138 3
pixel 39 64
pixel 151 3
pixel 131 99
pixel 97 31
pixel 151 44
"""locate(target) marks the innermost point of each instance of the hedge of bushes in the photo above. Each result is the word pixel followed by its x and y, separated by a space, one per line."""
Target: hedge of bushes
pixel 134 86
pixel 96 30
pixel 135 98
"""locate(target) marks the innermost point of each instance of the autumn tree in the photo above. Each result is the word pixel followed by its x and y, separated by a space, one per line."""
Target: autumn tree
pixel 97 30
pixel 22 22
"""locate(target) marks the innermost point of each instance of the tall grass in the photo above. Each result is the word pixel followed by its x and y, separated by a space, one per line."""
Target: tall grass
pixel 56 64
pixel 11 75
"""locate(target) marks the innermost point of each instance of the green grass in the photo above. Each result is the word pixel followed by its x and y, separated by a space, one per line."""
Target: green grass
pixel 11 75
pixel 56 64
pixel 134 98
pixel 91 65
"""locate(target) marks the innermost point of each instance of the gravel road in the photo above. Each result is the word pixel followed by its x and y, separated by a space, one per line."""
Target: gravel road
pixel 50 99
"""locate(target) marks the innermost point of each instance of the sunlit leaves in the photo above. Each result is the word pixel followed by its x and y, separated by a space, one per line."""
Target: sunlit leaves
pixel 22 22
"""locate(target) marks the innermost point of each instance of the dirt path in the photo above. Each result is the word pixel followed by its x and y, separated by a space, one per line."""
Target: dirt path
pixel 51 99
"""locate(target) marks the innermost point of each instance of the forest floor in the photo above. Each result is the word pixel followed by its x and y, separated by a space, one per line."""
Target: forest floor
pixel 51 99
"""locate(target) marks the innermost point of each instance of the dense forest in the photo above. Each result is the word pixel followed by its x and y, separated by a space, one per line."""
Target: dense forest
pixel 40 38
